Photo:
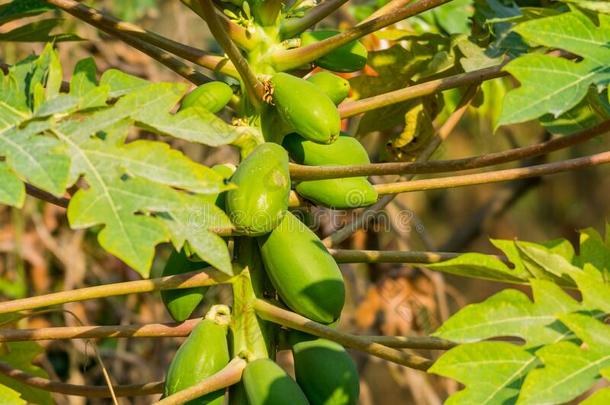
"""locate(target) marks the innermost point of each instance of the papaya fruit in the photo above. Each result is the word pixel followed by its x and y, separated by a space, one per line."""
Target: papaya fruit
pixel 325 371
pixel 347 58
pixel 260 200
pixel 181 303
pixel 202 354
pixel 305 108
pixel 267 384
pixel 335 87
pixel 226 170
pixel 213 96
pixel 302 271
pixel 345 193
pixel 346 150
pixel 237 394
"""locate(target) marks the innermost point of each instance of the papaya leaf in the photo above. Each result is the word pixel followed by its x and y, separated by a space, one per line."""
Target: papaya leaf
pixel 12 190
pixel 482 266
pixel 594 250
pixel 491 371
pixel 511 313
pixel 569 369
pixel 38 31
pixel 19 355
pixel 10 397
pixel 591 111
pixel 551 85
pixel 600 6
pixel 17 9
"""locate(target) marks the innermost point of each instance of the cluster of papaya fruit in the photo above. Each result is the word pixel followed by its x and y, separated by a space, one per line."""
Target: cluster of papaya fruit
pixel 302 272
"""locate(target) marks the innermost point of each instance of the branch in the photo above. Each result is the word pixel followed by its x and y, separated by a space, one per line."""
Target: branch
pixel 495 176
pixel 90 391
pixel 253 86
pixel 352 108
pixel 295 321
pixel 302 172
pixel 294 26
pixel 393 256
pixel 163 330
pixel 388 8
pixel 204 277
pixel 343 233
pixel 226 377
pixel 293 58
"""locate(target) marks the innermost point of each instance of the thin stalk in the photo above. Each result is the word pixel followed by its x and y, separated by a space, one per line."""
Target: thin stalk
pixel 390 7
pixel 229 375
pixel 254 87
pixel 89 391
pixel 293 58
pixel 294 26
pixel 302 172
pixel 389 256
pixel 292 320
pixel 495 176
pixel 164 330
pixel 122 29
pixel 204 277
pixel 343 233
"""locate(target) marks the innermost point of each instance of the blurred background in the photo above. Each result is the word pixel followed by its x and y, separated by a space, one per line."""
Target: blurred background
pixel 40 254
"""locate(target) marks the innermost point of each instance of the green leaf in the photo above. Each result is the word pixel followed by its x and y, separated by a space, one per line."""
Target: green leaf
pixel 601 397
pixel 511 313
pixel 12 190
pixel 603 6
pixel 19 355
pixel 10 397
pixel 569 369
pixel 491 371
pixel 121 83
pixel 17 9
pixel 482 266
pixel 38 31
pixel 591 111
pixel 594 251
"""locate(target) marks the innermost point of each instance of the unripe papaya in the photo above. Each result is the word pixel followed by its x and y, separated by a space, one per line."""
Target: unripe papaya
pixel 347 58
pixel 325 371
pixel 181 303
pixel 306 108
pixel 303 272
pixel 203 353
pixel 335 87
pixel 213 96
pixel 346 150
pixel 260 200
pixel 267 384
pixel 345 193
pixel 226 170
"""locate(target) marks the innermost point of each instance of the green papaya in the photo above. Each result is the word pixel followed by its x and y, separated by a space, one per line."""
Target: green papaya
pixel 226 170
pixel 181 303
pixel 335 87
pixel 237 394
pixel 260 200
pixel 346 150
pixel 347 58
pixel 213 96
pixel 267 384
pixel 325 371
pixel 345 193
pixel 303 272
pixel 306 108
pixel 203 353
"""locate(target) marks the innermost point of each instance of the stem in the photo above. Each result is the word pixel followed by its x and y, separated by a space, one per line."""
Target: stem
pixel 254 88
pixel 343 233
pixel 302 172
pixel 495 176
pixel 238 34
pixel 294 26
pixel 293 58
pixel 226 377
pixel 163 330
pixel 298 322
pixel 204 277
pixel 390 256
pixel 90 391
pixel 352 108
pixel 140 36
pixel 388 8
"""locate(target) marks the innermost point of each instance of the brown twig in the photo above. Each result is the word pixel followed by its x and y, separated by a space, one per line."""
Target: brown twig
pixel 294 26
pixel 302 172
pixel 293 58
pixel 205 277
pixel 292 320
pixel 229 375
pixel 90 391
pixel 253 85
pixel 494 176
pixel 389 256
pixel 139 35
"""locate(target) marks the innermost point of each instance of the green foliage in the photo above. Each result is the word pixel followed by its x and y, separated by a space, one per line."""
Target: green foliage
pixel 19 355
pixel 567 345
pixel 137 190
